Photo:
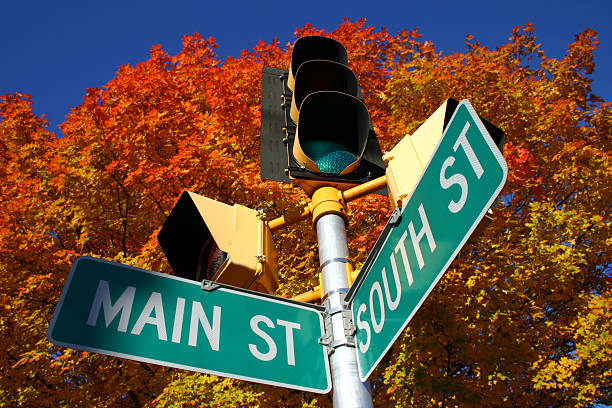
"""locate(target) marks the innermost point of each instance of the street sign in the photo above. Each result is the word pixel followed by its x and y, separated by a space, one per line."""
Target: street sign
pixel 122 311
pixel 463 178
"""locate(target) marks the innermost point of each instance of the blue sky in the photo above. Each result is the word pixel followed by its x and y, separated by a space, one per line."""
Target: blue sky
pixel 54 50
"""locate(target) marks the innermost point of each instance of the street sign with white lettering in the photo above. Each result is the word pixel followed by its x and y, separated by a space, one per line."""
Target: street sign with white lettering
pixel 127 312
pixel 463 178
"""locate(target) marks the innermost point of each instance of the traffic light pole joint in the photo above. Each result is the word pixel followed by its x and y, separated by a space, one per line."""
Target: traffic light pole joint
pixel 342 197
pixel 327 200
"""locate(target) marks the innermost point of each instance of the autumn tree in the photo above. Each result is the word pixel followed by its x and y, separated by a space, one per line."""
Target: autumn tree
pixel 521 318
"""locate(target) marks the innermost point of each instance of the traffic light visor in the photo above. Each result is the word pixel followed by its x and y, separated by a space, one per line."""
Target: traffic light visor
pixel 321 75
pixel 205 239
pixel 314 47
pixel 186 240
pixel 333 132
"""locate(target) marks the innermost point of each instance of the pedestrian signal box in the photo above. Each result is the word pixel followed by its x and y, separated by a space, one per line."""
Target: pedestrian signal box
pixel 205 239
pixel 408 159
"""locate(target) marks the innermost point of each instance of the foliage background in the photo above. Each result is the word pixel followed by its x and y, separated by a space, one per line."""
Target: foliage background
pixel 521 318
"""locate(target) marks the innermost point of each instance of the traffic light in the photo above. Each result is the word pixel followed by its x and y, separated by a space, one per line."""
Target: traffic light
pixel 205 239
pixel 328 136
pixel 406 161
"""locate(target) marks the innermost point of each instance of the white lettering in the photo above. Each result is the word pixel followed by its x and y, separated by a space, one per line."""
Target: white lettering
pixel 362 325
pixel 445 183
pixel 212 332
pixel 459 179
pixel 102 300
pixel 469 152
pixel 416 238
pixel 289 326
pixel 255 320
pixel 401 247
pixel 377 326
pixel 177 329
pixel 398 289
pixel 153 304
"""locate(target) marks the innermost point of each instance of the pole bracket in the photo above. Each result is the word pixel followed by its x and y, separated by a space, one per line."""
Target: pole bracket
pixel 343 260
pixel 209 286
pixel 347 337
pixel 396 216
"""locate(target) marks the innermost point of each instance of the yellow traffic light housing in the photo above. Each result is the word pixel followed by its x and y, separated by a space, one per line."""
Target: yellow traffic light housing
pixel 407 160
pixel 327 130
pixel 333 125
pixel 205 239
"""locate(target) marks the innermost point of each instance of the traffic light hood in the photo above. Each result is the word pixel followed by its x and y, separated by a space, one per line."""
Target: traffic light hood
pixel 314 47
pixel 333 133
pixel 206 239
pixel 321 75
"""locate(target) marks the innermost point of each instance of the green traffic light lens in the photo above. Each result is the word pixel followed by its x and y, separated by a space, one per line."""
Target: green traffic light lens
pixel 330 157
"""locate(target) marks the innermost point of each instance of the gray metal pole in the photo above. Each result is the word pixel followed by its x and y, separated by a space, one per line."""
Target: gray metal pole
pixel 349 391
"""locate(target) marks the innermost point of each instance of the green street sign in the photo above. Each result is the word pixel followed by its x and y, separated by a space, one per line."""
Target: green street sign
pixel 460 183
pixel 122 311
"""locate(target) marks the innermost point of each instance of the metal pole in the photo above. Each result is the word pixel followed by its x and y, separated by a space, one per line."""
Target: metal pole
pixel 349 391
